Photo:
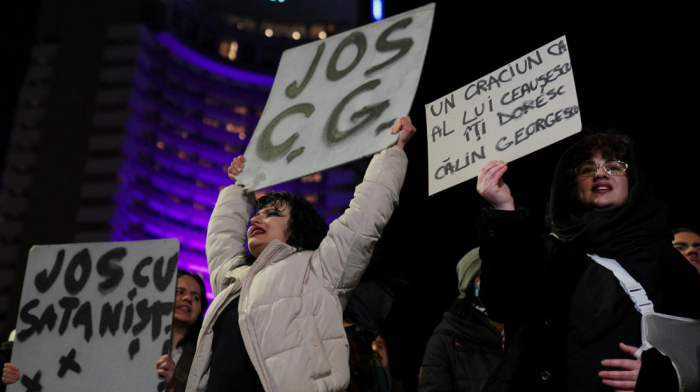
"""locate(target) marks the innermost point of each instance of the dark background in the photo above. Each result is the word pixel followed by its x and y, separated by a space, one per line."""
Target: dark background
pixel 633 69
pixel 632 72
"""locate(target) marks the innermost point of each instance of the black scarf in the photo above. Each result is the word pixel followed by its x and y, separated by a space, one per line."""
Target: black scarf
pixel 637 235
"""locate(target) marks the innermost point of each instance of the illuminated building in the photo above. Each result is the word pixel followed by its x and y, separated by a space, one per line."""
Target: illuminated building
pixel 199 90
pixel 124 129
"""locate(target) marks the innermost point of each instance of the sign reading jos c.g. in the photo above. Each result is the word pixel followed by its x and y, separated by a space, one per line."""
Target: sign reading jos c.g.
pixel 95 317
pixel 335 100
pixel 520 108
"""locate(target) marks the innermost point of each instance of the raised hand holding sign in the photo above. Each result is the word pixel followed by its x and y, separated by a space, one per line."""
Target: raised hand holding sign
pixel 517 109
pixel 334 101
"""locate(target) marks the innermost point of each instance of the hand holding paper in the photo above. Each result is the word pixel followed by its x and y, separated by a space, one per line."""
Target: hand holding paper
pixel 491 187
pixel 236 167
pixel 166 369
pixel 405 126
pixel 10 374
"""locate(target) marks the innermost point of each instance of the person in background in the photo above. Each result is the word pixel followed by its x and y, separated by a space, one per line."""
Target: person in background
pixel 381 350
pixel 466 346
pixel 687 241
pixel 367 309
pixel 585 329
pixel 190 304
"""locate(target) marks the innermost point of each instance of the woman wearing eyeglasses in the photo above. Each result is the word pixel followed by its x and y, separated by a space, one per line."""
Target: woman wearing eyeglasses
pixel 571 324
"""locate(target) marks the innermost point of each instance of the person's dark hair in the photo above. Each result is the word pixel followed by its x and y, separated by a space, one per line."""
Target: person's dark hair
pixel 611 145
pixel 193 332
pixel 306 227
pixel 684 230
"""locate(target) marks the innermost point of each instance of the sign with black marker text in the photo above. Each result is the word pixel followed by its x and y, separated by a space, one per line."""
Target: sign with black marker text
pixel 336 100
pixel 518 109
pixel 95 317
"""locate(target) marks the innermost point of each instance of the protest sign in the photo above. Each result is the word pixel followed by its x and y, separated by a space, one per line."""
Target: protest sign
pixel 95 317
pixel 335 100
pixel 520 108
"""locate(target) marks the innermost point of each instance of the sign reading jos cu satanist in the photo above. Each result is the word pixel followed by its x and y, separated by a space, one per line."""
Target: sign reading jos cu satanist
pixel 95 317
pixel 520 108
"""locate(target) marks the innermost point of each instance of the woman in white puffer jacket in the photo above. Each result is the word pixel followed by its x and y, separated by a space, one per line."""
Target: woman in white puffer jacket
pixel 276 322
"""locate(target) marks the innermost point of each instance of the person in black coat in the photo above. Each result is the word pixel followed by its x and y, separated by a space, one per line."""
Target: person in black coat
pixel 466 346
pixel 585 327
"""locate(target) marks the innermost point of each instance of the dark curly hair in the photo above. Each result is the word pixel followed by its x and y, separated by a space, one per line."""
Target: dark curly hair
pixel 193 332
pixel 610 145
pixel 306 228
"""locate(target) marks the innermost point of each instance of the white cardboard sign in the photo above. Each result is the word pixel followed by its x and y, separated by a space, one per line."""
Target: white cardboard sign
pixel 95 317
pixel 520 108
pixel 335 100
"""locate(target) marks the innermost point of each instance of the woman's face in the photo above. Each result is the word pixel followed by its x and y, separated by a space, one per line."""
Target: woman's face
pixel 602 191
pixel 270 223
pixel 188 300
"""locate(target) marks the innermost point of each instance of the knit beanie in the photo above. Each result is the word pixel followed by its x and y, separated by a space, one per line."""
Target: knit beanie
pixel 467 269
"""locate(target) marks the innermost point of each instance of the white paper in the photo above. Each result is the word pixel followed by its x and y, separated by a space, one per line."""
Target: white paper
pixel 520 108
pixel 72 351
pixel 316 138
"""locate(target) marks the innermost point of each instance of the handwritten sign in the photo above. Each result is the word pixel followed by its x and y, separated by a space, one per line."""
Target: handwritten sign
pixel 95 317
pixel 520 108
pixel 335 100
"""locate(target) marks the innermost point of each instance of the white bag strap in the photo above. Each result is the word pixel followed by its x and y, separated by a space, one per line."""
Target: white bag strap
pixel 688 379
pixel 635 290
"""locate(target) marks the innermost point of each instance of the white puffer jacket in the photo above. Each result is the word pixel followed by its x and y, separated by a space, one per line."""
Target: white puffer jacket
pixel 291 305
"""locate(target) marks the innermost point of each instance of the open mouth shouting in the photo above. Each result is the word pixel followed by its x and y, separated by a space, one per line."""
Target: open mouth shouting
pixel 184 308
pixel 602 187
pixel 255 230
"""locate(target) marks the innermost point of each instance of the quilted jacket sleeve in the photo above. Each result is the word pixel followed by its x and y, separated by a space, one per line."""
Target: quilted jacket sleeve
pixel 436 370
pixel 226 232
pixel 345 253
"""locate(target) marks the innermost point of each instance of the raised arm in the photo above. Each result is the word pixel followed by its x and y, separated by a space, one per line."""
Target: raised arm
pixel 226 233
pixel 511 252
pixel 345 253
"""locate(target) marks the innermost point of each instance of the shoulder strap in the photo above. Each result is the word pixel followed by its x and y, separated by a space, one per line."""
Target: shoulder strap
pixel 635 290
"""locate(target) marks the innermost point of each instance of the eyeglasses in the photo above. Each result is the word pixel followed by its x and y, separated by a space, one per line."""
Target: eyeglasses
pixel 614 168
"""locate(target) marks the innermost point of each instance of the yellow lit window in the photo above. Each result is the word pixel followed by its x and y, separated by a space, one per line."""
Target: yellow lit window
pixel 212 122
pixel 311 198
pixel 240 109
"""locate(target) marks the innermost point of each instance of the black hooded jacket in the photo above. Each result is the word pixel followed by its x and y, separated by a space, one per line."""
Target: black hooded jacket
pixel 461 354
pixel 563 312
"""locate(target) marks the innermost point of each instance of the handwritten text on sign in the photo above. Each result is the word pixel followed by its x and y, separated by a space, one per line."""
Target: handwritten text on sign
pixel 520 108
pixel 334 101
pixel 95 317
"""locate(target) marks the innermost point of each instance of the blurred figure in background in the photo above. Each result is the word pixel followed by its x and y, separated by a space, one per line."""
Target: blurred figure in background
pixel 466 346
pixel 687 241
pixel 381 350
pixel 190 304
pixel 367 309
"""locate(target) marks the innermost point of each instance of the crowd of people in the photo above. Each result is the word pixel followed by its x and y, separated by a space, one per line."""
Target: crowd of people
pixel 290 312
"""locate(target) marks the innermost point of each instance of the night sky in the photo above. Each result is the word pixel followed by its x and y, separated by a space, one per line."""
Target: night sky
pixel 633 70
